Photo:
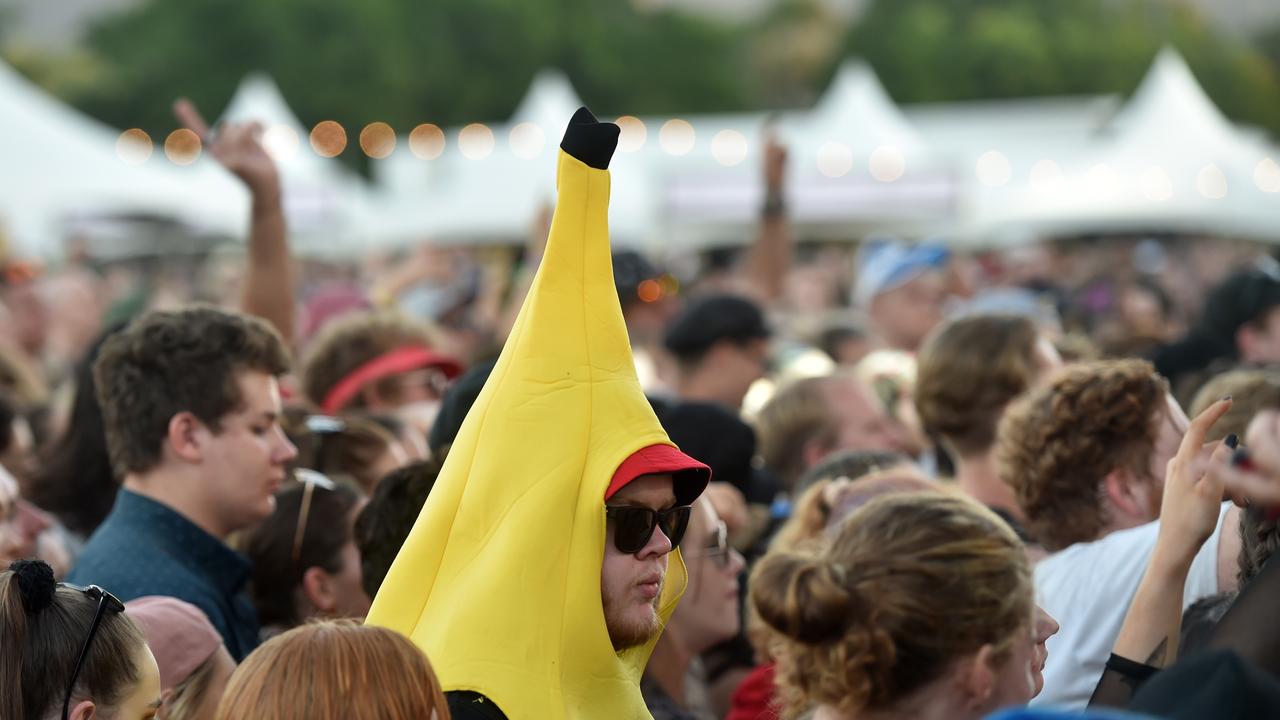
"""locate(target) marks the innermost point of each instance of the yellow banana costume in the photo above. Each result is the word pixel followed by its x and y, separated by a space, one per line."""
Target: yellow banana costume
pixel 499 581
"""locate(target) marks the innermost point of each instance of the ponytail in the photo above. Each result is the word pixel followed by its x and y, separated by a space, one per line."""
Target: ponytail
pixel 43 627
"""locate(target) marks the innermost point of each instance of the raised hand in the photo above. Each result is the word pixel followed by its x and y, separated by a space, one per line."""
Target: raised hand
pixel 238 148
pixel 1255 481
pixel 1192 495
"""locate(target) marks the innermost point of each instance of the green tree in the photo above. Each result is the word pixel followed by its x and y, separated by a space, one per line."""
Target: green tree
pixel 406 62
pixel 928 50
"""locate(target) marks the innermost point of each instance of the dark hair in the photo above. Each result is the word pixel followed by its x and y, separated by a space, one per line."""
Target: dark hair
pixel 384 523
pixel 346 452
pixel 168 362
pixel 43 626
pixel 276 576
pixel 75 481
pixel 851 464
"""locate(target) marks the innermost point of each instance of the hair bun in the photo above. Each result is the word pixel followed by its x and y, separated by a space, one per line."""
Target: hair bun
pixel 36 584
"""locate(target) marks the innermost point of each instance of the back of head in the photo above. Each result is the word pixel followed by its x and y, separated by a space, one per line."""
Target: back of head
pixel 281 551
pixel 168 362
pixel 968 370
pixel 794 417
pixel 822 485
pixel 43 627
pixel 910 584
pixel 385 521
pixel 335 669
pixel 1057 444
pixel 75 480
pixel 724 442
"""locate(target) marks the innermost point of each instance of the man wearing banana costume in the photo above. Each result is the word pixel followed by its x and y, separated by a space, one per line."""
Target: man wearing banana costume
pixel 541 571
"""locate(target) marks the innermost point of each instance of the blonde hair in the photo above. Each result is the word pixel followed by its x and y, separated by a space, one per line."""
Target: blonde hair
pixel 188 696
pixel 334 669
pixel 911 583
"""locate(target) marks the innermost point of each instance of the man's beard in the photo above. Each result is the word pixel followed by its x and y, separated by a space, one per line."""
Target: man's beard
pixel 626 634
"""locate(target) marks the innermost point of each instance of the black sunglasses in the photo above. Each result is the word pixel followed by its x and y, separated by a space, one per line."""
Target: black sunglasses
pixel 106 601
pixel 633 526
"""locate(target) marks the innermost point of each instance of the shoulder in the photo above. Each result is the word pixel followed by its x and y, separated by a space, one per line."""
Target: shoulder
pixel 468 705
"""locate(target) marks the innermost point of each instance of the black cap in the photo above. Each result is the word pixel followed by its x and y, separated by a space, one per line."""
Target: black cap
pixel 708 320
pixel 630 268
pixel 455 405
pixel 711 434
pixel 1240 299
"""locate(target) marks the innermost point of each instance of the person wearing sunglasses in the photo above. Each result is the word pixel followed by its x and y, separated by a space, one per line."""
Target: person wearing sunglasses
pixel 191 406
pixel 541 569
pixel 70 652
pixel 708 614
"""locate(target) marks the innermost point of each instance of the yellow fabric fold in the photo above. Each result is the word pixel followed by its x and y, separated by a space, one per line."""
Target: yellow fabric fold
pixel 499 581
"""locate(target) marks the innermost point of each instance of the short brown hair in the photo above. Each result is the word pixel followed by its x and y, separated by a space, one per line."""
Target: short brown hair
pixel 345 344
pixel 795 416
pixel 1057 444
pixel 334 669
pixel 910 584
pixel 168 362
pixel 968 371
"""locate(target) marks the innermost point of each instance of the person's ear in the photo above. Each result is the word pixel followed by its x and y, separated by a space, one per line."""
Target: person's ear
pixel 186 436
pixel 976 679
pixel 318 587
pixel 83 710
pixel 1127 495
pixel 166 704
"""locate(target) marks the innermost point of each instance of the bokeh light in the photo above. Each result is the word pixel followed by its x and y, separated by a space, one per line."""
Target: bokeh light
pixel 649 291
pixel 134 146
pixel 993 168
pixel 182 147
pixel 835 159
pixel 677 137
pixel 1155 184
pixel 527 141
pixel 475 141
pixel 378 140
pixel 280 142
pixel 886 163
pixel 1267 176
pixel 1046 176
pixel 633 133
pixel 426 141
pixel 1103 181
pixel 328 139
pixel 729 147
pixel 1211 183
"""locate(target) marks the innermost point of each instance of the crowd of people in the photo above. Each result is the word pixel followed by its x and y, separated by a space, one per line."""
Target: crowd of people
pixel 901 480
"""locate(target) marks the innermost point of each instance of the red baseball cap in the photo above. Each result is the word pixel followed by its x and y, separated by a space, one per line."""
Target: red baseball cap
pixel 689 477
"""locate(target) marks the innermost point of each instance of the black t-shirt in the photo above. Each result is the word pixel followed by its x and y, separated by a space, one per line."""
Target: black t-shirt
pixel 467 705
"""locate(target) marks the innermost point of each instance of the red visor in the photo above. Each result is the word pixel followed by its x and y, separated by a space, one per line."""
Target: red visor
pixel 690 476
pixel 400 360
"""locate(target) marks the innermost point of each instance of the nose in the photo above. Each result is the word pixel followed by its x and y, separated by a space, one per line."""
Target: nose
pixel 286 450
pixel 659 544
pixel 736 563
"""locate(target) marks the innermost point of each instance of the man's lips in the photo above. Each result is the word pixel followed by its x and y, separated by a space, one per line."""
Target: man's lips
pixel 650 585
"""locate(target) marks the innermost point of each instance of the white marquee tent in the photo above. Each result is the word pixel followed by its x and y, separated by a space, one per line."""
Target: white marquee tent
pixel 62 171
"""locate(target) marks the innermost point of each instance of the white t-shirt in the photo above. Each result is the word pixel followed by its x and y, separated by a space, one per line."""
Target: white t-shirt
pixel 1088 588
